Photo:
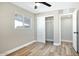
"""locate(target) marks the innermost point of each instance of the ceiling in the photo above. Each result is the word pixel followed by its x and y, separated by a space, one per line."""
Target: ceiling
pixel 42 8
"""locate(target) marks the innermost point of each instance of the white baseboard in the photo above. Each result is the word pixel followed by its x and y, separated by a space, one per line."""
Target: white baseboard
pixel 17 48
pixel 49 40
pixel 66 40
pixel 40 41
pixel 57 44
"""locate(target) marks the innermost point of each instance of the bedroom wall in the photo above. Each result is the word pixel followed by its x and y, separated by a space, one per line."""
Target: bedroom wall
pixel 9 36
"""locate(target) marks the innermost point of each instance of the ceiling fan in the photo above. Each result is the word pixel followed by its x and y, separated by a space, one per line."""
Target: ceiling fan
pixel 44 3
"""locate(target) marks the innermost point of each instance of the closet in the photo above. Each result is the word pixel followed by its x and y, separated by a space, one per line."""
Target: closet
pixel 49 28
pixel 66 28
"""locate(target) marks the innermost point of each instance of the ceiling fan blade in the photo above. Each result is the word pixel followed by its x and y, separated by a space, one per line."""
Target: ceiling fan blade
pixel 45 3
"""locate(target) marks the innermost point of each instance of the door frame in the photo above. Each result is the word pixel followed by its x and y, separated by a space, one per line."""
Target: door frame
pixel 44 38
pixel 59 27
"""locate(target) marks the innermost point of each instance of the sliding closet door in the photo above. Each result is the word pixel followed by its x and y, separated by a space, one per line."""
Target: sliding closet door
pixel 41 29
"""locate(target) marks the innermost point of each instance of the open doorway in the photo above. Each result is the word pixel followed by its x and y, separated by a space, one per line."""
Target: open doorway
pixel 66 28
pixel 49 29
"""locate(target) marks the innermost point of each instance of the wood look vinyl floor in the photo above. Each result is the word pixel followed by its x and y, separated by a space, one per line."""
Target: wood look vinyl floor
pixel 48 49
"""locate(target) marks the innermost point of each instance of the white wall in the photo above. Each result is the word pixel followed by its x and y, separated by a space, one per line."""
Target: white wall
pixel 9 36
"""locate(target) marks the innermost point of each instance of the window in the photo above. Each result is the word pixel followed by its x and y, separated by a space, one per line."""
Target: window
pixel 22 21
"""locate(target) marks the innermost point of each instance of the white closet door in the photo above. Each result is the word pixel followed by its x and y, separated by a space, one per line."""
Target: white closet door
pixel 41 29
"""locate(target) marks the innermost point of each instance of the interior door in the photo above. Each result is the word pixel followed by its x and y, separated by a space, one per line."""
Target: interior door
pixel 78 31
pixel 75 30
pixel 41 29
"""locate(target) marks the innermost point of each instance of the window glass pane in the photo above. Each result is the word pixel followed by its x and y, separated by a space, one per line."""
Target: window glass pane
pixel 18 24
pixel 18 21
pixel 27 22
